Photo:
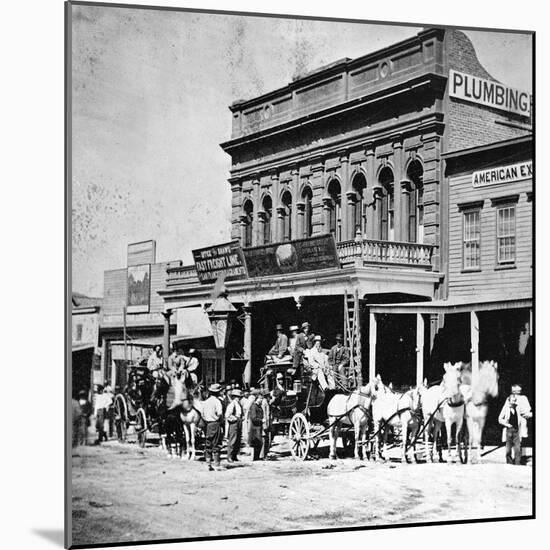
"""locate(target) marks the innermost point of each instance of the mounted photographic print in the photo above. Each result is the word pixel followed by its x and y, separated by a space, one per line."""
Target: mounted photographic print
pixel 306 246
pixel 139 285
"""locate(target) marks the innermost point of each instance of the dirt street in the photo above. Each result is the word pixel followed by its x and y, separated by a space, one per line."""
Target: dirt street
pixel 124 493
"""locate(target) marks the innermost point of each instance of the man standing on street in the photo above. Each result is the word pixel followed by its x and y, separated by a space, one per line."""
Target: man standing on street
pixel 212 415
pixel 255 423
pixel 513 417
pixel 266 425
pixel 234 419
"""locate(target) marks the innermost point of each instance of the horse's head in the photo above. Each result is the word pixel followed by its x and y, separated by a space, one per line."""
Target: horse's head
pixel 451 380
pixel 488 378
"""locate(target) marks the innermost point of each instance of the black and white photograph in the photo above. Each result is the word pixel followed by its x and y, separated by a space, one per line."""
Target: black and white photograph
pixel 301 265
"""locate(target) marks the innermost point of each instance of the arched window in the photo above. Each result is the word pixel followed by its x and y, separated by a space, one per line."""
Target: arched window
pixel 358 214
pixel 267 207
pixel 248 216
pixel 415 210
pixel 307 197
pixel 286 203
pixel 335 209
pixel 386 214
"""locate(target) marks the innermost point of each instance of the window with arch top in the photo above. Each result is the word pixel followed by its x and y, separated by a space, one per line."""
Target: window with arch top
pixel 267 207
pixel 307 197
pixel 248 216
pixel 358 213
pixel 386 216
pixel 286 203
pixel 415 209
pixel 335 209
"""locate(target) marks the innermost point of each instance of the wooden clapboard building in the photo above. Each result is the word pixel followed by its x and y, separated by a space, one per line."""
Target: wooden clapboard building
pixel 372 151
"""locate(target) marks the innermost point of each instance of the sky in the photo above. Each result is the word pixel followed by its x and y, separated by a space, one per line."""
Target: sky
pixel 150 97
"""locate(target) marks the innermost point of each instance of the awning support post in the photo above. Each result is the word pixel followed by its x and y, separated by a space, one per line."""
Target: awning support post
pixel 419 349
pixel 247 373
pixel 166 336
pixel 372 345
pixel 474 340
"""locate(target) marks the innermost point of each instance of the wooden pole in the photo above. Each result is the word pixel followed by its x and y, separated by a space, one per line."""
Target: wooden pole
pixel 125 336
pixel 419 349
pixel 474 339
pixel 166 336
pixel 247 374
pixel 372 345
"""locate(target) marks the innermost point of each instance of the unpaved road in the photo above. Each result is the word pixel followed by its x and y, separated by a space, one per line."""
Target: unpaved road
pixel 124 493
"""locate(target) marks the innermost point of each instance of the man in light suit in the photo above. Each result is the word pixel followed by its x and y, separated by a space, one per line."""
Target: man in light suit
pixel 280 347
pixel 513 417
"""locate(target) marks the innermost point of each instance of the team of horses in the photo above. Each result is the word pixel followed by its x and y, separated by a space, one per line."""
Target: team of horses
pixel 452 402
pixel 455 400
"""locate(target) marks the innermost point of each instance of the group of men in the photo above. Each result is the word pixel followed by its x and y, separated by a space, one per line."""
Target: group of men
pixel 331 370
pixel 234 411
pixel 178 364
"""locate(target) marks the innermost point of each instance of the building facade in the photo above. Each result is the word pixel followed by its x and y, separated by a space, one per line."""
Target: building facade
pixel 357 149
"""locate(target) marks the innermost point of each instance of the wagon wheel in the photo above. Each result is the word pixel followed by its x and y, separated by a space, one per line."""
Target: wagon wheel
pixel 121 418
pixel 298 434
pixel 141 427
pixel 462 444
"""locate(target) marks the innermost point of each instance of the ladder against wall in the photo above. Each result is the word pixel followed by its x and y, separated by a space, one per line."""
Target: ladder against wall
pixel 352 335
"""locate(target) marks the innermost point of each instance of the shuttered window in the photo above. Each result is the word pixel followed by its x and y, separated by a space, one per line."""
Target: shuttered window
pixel 472 240
pixel 506 234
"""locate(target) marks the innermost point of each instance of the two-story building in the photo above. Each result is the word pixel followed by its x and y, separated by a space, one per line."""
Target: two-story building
pixel 357 149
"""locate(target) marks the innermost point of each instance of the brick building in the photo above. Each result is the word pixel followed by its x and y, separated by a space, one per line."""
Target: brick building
pixel 358 149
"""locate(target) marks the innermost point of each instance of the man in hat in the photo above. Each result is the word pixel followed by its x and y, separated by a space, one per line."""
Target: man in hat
pixel 102 403
pixel 175 361
pixel 513 417
pixel 255 423
pixel 212 414
pixel 155 359
pixel 318 363
pixel 234 419
pixel 304 341
pixel 266 424
pixel 280 347
pixel 193 368
pixel 292 340
pixel 338 357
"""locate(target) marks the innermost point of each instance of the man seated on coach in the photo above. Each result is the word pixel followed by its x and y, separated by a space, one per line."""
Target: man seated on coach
pixel 279 351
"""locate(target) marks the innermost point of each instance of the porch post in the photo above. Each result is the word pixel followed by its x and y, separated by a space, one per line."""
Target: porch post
pixel 104 360
pixel 474 339
pixel 372 345
pixel 247 374
pixel 419 349
pixel 166 337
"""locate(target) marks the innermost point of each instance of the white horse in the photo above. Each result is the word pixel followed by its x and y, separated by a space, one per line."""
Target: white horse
pixel 443 404
pixel 190 415
pixel 394 409
pixel 475 397
pixel 357 405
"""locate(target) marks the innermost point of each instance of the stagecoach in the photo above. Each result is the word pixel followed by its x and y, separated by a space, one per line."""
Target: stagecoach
pixel 301 414
pixel 133 407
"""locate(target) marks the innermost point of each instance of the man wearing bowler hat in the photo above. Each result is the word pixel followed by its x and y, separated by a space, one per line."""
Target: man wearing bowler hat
pixel 338 357
pixel 280 348
pixel 212 414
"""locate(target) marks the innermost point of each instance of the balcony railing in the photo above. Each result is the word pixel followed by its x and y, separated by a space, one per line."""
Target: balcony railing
pixel 369 251
pixel 364 252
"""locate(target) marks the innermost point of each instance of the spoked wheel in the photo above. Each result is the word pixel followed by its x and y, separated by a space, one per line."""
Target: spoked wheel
pixel 121 418
pixel 141 427
pixel 299 436
pixel 462 444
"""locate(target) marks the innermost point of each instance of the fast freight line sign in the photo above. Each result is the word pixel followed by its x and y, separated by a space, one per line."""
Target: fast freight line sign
pixel 487 92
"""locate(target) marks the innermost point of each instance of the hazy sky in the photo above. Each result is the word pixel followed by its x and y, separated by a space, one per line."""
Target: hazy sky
pixel 151 91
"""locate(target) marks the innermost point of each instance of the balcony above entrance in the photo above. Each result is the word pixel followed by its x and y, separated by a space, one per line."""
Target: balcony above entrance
pixel 365 252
